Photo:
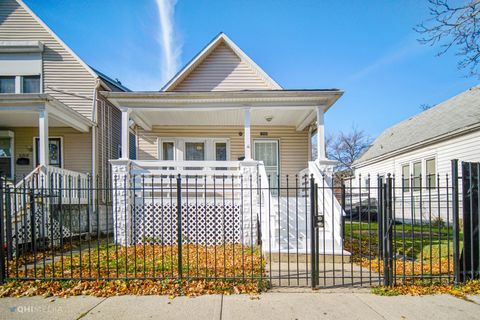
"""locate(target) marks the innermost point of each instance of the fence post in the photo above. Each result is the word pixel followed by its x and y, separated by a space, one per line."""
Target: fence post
pixel 456 228
pixel 344 198
pixel 312 232
pixel 380 215
pixel 388 236
pixel 179 225
pixel 2 235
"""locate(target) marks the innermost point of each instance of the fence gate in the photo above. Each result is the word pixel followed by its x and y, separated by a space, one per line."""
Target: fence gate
pixel 366 252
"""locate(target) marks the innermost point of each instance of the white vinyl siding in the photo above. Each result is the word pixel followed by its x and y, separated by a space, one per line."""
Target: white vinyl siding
pixel 223 70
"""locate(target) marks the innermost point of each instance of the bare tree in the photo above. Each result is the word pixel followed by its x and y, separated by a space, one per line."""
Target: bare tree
pixel 454 25
pixel 346 147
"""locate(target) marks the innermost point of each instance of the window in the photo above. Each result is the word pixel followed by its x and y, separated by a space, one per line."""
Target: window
pixel 31 84
pixel 417 175
pixel 431 173
pixel 7 84
pixel 168 151
pixel 406 177
pixel 195 151
pixel 221 151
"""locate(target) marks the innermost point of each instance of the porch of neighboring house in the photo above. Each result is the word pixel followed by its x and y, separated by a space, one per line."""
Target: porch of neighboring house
pixel 45 150
pixel 238 164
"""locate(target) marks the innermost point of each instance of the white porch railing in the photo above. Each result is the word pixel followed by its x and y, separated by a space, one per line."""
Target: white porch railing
pixel 328 204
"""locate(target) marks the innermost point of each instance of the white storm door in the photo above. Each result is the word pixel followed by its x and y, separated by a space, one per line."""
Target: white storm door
pixel 267 151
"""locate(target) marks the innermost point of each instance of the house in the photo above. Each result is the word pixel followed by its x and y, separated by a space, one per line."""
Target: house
pixel 49 94
pixel 418 151
pixel 221 117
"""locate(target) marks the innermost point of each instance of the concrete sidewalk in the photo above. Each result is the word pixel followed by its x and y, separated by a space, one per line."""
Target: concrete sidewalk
pixel 336 305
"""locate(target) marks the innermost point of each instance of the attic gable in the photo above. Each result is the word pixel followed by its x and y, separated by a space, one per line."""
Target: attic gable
pixel 221 66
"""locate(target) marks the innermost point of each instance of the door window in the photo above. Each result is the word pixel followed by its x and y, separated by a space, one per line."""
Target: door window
pixel 54 152
pixel 267 151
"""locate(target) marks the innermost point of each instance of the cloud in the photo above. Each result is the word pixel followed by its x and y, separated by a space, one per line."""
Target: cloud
pixel 171 47
pixel 403 51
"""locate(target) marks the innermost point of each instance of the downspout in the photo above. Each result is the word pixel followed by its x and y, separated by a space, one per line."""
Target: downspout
pixel 94 150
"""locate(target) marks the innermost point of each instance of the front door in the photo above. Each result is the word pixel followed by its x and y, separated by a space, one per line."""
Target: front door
pixel 55 152
pixel 266 150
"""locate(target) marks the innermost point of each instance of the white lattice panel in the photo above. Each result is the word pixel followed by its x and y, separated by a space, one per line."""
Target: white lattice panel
pixel 206 224
pixel 44 226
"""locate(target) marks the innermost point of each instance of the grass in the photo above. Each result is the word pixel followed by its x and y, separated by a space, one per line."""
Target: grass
pixel 420 251
pixel 108 261
pixel 411 241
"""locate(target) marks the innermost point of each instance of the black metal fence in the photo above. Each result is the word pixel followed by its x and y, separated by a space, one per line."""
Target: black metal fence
pixel 307 231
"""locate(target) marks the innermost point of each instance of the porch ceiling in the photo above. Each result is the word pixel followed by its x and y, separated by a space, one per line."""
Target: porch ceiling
pixel 22 110
pixel 259 116
pixel 283 107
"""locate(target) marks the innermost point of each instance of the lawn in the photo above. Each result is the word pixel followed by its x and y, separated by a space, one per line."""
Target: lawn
pixel 109 261
pixel 418 250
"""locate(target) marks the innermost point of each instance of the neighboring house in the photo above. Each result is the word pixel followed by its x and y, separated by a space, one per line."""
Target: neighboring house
pixel 424 145
pixel 418 151
pixel 220 116
pixel 47 93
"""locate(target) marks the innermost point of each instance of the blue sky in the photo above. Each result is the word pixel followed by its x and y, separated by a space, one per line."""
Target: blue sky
pixel 366 48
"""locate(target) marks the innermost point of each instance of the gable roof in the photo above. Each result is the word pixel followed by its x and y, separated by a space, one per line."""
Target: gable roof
pixel 206 52
pixel 456 115
pixel 56 37
pixel 92 71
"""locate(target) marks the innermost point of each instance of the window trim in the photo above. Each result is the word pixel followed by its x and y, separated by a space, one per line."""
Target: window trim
pixel 423 171
pixel 179 146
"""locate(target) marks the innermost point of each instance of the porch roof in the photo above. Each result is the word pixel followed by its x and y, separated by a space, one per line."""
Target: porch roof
pixel 269 107
pixel 21 110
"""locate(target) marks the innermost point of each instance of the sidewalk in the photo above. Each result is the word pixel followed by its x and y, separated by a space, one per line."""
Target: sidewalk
pixel 338 304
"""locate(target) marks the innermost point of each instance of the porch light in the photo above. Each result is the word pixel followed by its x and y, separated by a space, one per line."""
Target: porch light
pixel 268 118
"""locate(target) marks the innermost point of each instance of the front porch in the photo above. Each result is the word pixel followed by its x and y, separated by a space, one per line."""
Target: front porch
pixel 236 163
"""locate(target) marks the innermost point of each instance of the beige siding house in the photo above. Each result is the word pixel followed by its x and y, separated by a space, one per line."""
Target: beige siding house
pixel 49 94
pixel 220 117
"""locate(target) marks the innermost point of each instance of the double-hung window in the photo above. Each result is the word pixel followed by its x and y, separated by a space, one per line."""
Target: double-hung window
pixel 20 84
pixel 406 177
pixel 431 173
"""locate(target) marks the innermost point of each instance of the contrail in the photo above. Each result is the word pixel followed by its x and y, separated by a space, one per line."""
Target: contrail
pixel 171 48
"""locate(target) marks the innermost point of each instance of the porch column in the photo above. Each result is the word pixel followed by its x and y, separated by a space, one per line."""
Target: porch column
pixel 248 149
pixel 320 134
pixel 43 137
pixel 125 133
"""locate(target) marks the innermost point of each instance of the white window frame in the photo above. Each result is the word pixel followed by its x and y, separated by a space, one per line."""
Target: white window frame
pixel 160 148
pixel 423 172
pixel 19 81
pixel 62 145
pixel 179 146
